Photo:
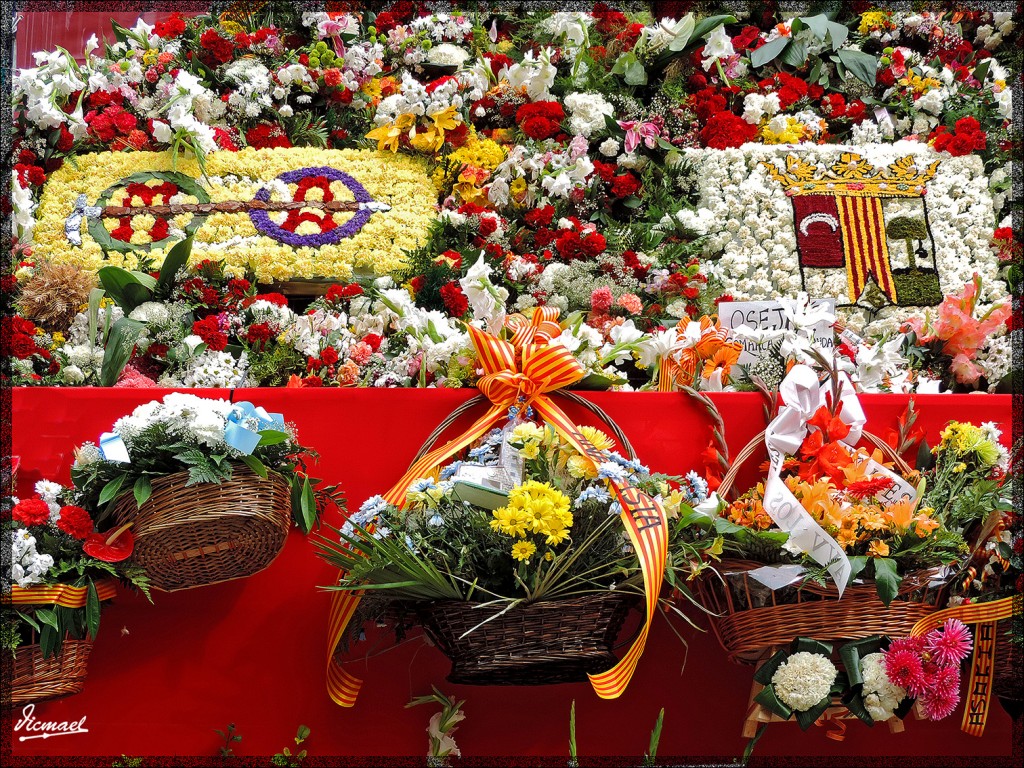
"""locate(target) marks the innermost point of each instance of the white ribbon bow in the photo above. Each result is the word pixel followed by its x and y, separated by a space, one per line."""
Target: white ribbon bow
pixel 802 396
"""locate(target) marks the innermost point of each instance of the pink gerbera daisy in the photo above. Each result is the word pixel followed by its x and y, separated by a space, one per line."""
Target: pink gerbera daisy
pixel 903 668
pixel 950 644
pixel 938 706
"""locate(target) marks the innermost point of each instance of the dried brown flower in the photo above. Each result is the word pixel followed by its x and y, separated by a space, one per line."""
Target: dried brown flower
pixel 54 294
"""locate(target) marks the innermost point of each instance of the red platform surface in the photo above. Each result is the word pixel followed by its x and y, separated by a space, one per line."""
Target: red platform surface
pixel 162 677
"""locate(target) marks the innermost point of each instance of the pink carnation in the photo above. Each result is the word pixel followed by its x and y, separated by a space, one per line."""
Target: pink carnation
pixel 631 303
pixel 601 299
pixel 950 644
pixel 360 353
pixel 130 378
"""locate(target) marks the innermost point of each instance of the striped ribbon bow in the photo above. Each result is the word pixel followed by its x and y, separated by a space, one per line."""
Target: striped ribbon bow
pixel 521 375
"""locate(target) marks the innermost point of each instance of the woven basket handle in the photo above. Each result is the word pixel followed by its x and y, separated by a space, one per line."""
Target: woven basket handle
pixel 748 450
pixel 571 396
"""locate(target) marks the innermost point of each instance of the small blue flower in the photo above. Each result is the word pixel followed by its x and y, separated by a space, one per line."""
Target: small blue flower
pixel 408 542
pixel 436 520
pixel 422 485
pixel 450 470
pixel 696 489
pixel 636 466
pixel 381 533
pixel 482 454
pixel 593 493
pixel 611 471
pixel 372 507
pixel 615 508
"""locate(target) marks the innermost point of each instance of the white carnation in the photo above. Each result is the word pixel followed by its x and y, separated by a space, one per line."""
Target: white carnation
pixel 803 680
pixel 881 697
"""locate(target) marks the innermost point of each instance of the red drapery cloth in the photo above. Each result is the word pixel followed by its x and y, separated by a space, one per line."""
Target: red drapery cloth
pixel 163 677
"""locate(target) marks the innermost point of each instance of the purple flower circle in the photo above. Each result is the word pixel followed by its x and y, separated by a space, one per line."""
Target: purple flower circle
pixel 263 223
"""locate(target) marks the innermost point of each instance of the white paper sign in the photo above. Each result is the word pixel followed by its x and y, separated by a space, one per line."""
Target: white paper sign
pixel 768 316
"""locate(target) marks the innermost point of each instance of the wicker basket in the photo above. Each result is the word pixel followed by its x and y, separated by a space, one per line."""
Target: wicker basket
pixel 751 621
pixel 542 643
pixel 63 674
pixel 189 536
pixel 547 642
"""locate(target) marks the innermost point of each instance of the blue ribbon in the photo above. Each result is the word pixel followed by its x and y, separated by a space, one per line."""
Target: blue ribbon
pixel 240 436
pixel 112 448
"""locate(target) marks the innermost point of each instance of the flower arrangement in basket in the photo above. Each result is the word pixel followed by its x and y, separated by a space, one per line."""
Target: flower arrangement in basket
pixel 993 577
pixel 209 488
pixel 62 572
pixel 874 680
pixel 829 511
pixel 523 559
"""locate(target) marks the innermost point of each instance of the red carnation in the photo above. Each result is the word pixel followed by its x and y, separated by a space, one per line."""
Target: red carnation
pixel 277 299
pixel 125 122
pixel 30 174
pixel 540 120
pixel 173 27
pixel 374 340
pixel 791 89
pixel 707 103
pixel 101 126
pixel 217 47
pixel 594 244
pixel 329 356
pixel 75 521
pixel 834 105
pixel 31 512
pixel 488 226
pixel 209 331
pixel 258 334
pixel 625 185
pixel 267 136
pixel 540 217
pixel 66 140
pixel 454 299
pixel 332 77
pixel 20 345
pixel 856 111
pixel 726 131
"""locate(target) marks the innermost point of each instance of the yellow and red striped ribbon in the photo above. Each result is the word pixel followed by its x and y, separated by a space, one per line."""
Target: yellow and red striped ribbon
pixel 63 595
pixel 985 617
pixel 541 326
pixel 863 225
pixel 522 375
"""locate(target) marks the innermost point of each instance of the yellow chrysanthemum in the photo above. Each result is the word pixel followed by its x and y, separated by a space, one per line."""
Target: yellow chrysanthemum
pixel 597 438
pixel 579 466
pixel 791 134
pixel 530 451
pixel 510 521
pixel 527 432
pixel 523 550
pixel 873 20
